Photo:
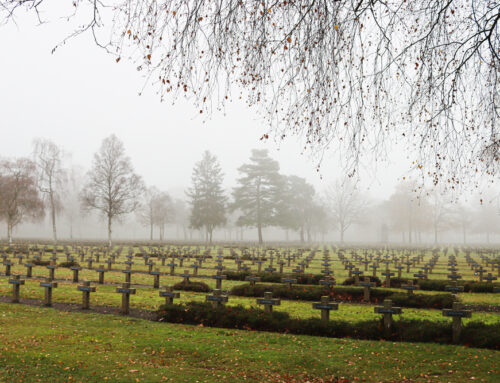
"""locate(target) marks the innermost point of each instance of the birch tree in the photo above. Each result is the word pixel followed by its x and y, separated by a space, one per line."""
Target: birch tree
pixel 113 188
pixel 48 158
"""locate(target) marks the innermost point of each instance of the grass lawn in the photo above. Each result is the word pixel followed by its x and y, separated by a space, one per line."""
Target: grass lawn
pixel 42 345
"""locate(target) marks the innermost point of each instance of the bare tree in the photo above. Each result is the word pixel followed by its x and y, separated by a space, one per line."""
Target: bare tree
pixel 347 205
pixel 349 73
pixel 71 197
pixel 19 197
pixel 156 210
pixel 48 160
pixel 112 188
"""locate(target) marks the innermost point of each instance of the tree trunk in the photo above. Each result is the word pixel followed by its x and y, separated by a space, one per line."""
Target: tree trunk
pixel 308 231
pixel 53 216
pixel 302 234
pixel 464 234
pixel 210 235
pixel 9 232
pixel 435 235
pixel 259 231
pixel 342 230
pixel 151 231
pixel 109 231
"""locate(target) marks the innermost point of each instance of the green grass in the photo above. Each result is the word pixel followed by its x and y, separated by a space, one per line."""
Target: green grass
pixel 41 344
pixel 148 299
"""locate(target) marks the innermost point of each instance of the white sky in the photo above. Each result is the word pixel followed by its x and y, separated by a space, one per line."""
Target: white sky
pixel 79 95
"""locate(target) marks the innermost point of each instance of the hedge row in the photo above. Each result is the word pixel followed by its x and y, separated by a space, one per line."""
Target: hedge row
pixel 345 293
pixel 302 279
pixel 199 287
pixel 313 279
pixel 474 334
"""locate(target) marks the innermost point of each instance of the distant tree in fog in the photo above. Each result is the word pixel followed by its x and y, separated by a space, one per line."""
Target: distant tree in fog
pixel 19 196
pixel 440 213
pixel 155 210
pixel 112 188
pixel 259 191
pixel 297 202
pixel 408 211
pixel 71 197
pixel 206 196
pixel 164 212
pixel 346 203
pixel 486 216
pixel 48 158
pixel 461 219
pixel 181 217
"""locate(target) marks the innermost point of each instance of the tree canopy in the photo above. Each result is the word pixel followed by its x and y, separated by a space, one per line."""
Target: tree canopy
pixel 353 75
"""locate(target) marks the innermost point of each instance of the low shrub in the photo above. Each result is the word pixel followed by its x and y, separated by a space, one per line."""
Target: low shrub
pixel 199 287
pixel 69 264
pixel 475 334
pixel 469 286
pixel 376 280
pixel 39 262
pixel 302 279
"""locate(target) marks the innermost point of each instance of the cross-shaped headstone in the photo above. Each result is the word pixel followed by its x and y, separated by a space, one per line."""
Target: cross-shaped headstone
pixel 457 312
pixel 186 276
pixel 86 289
pixel 217 299
pixel 169 295
pixel 48 285
pixel 252 279
pixel 268 301
pixel 156 278
pixel 218 280
pixel 76 270
pixel 366 289
pixel 52 269
pixel 325 306
pixel 387 274
pixel 288 281
pixel 409 287
pixel 16 283
pixel 101 270
pixel 128 274
pixel 29 269
pixel 387 310
pixel 126 291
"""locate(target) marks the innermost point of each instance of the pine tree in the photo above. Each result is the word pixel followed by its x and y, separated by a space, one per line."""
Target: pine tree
pixel 259 193
pixel 207 198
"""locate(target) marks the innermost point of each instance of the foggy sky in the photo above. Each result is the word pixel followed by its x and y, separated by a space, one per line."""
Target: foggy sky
pixel 79 95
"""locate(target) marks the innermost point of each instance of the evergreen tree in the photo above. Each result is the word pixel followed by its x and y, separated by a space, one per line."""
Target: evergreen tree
pixel 260 191
pixel 207 198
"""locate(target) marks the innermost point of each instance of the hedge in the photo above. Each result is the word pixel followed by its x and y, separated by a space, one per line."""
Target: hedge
pixel 345 293
pixel 302 279
pixel 199 287
pixel 475 334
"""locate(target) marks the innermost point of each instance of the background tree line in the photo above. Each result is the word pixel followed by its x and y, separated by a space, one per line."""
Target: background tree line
pixel 42 186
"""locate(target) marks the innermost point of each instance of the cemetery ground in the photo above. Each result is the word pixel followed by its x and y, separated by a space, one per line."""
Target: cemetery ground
pixel 66 343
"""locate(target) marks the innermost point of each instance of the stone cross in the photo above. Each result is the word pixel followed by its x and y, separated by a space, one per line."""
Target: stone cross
pixel 288 281
pixel 217 299
pixel 356 273
pixel 457 312
pixel 128 274
pixel 268 301
pixel 387 310
pixel 366 289
pixel 29 270
pixel 7 265
pixel 454 287
pixel 490 278
pixel 330 282
pixel 101 270
pixel 374 267
pixel 169 295
pixel 156 278
pixel 325 306
pixel 126 291
pixel 16 283
pixel 76 270
pixel 252 279
pixel 52 269
pixel 186 276
pixel 48 285
pixel 410 287
pixel 172 267
pixel 86 289
pixel 387 274
pixel 218 279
